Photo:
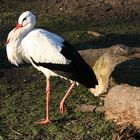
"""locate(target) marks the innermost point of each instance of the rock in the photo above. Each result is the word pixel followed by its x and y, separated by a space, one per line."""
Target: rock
pixel 86 108
pixel 118 64
pixel 95 34
pixel 122 104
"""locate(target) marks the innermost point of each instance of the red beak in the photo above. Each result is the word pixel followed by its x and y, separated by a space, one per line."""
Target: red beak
pixel 18 26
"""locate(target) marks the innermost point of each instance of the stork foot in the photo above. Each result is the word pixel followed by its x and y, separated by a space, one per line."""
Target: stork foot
pixel 62 107
pixel 46 121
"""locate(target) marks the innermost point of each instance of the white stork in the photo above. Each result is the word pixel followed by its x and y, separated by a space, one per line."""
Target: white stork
pixel 48 53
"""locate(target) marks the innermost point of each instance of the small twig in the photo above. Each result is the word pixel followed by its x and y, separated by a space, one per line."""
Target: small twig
pixel 16 132
pixel 117 49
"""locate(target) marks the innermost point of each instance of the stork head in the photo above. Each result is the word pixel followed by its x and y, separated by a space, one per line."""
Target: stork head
pixel 26 23
pixel 26 19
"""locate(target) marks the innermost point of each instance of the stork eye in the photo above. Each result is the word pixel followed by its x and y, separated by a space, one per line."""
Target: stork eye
pixel 24 19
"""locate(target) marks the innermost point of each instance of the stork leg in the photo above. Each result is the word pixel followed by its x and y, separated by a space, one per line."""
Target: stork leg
pixel 46 120
pixel 62 107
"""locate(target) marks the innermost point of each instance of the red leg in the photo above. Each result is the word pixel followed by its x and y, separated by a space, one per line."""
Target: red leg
pixel 46 120
pixel 62 108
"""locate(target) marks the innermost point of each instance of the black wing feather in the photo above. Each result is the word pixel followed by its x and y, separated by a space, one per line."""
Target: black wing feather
pixel 85 74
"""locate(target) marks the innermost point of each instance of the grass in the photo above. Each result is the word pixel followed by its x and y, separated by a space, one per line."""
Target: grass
pixel 113 34
pixel 22 98
pixel 23 103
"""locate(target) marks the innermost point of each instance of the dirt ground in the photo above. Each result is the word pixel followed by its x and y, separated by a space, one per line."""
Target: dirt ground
pixel 96 9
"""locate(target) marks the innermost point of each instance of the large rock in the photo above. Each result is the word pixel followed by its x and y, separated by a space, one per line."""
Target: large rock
pixel 122 104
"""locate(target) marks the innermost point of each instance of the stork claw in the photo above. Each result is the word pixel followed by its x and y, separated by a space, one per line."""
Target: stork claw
pixel 45 121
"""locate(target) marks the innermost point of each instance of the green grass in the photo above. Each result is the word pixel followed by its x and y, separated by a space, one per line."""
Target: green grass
pixel 22 99
pixel 23 103
pixel 22 93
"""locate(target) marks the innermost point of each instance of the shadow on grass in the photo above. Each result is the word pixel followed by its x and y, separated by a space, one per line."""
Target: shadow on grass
pixel 130 40
pixel 63 120
pixel 4 63
pixel 3 59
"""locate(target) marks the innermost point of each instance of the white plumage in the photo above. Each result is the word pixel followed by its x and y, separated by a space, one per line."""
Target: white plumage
pixel 48 53
pixel 43 46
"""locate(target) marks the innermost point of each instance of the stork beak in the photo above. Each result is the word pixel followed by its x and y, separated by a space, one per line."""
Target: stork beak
pixel 6 42
pixel 18 26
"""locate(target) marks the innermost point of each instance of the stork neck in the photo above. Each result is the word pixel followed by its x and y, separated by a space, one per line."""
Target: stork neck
pixel 25 30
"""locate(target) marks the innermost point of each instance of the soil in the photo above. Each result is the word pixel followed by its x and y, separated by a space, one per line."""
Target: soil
pixel 98 10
